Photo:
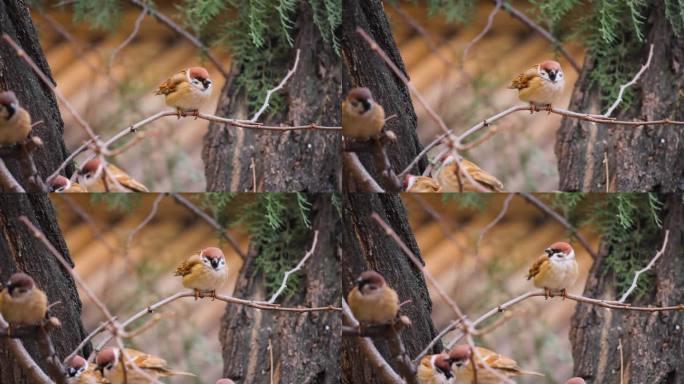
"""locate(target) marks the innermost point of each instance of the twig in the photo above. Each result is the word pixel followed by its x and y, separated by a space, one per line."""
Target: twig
pixel 502 213
pixel 71 157
pixel 22 54
pixel 7 181
pixel 436 339
pixel 299 266
pixel 407 251
pixel 196 210
pixel 622 358
pixel 381 366
pixel 187 35
pixel 546 34
pixel 556 216
pixel 270 358
pixel 148 218
pixel 646 268
pixel 16 347
pixel 629 84
pixel 100 328
pixel 276 89
pixel 47 349
pixel 136 29
pixel 490 21
pixel 353 164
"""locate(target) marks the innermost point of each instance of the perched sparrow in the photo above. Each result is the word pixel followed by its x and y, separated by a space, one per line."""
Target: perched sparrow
pixel 372 301
pixel 557 269
pixel 362 117
pixel 80 372
pixel 225 381
pixel 92 176
pixel 463 371
pixel 187 90
pixel 576 380
pixel 540 85
pixel 61 184
pixel 21 302
pixel 205 272
pixel 421 184
pixel 15 121
pixel 434 369
pixel 446 176
pixel 109 364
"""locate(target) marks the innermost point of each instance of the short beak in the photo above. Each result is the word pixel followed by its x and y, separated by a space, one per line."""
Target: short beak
pixel 548 251
pixel 366 104
pixel 100 369
pixel 71 371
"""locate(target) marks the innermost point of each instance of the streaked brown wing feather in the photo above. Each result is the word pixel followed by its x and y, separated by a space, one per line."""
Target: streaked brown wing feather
pixel 186 267
pixel 536 267
pixel 522 80
pixel 127 181
pixel 170 84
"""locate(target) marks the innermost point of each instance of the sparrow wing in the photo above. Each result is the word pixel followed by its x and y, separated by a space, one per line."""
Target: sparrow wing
pixel 76 188
pixel 522 80
pixel 169 86
pixel 125 180
pixel 537 266
pixel 481 176
pixel 186 267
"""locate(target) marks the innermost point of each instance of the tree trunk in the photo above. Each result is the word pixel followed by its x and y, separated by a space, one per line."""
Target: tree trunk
pixel 21 251
pixel 364 68
pixel 366 246
pixel 33 95
pixel 652 344
pixel 303 160
pixel 304 345
pixel 642 158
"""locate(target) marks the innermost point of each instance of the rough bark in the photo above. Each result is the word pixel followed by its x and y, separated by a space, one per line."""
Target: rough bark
pixel 37 98
pixel 364 68
pixel 366 246
pixel 305 345
pixel 20 251
pixel 652 342
pixel 639 159
pixel 306 161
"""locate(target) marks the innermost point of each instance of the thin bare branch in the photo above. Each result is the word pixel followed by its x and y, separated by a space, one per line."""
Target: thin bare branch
pixel 136 29
pixel 646 268
pixel 203 215
pixel 629 84
pixel 7 181
pixel 278 87
pixel 16 347
pixel 353 164
pixel 490 21
pixel 298 267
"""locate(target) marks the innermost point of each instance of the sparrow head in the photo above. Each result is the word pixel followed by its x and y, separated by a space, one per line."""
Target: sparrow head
pixel 551 70
pixel 460 355
pixel 576 380
pixel 225 381
pixel 560 251
pixel 442 364
pixel 19 284
pixel 370 282
pixel 76 366
pixel 213 257
pixel 360 100
pixel 199 78
pixel 106 360
pixel 8 104
pixel 90 168
pixel 408 182
pixel 59 183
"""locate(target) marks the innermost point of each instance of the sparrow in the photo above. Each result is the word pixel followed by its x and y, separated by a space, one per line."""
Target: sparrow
pixel 92 176
pixel 446 176
pixel 362 117
pixel 557 269
pixel 109 364
pixel 540 85
pixel 576 380
pixel 463 371
pixel 205 272
pixel 372 301
pixel 79 371
pixel 21 302
pixel 187 90
pixel 421 184
pixel 225 381
pixel 15 121
pixel 61 184
pixel 435 369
